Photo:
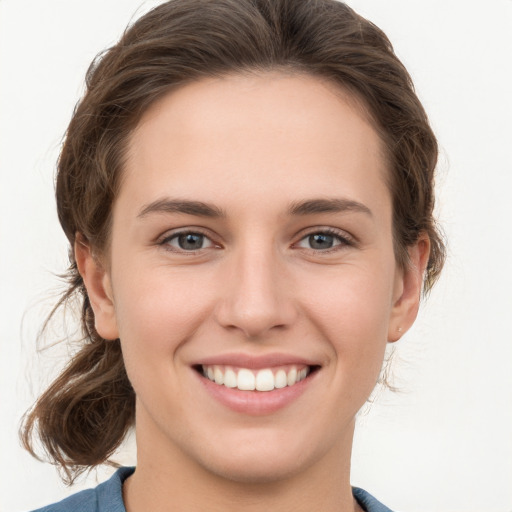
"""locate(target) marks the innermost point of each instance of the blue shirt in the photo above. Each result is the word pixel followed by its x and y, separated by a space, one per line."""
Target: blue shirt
pixel 108 497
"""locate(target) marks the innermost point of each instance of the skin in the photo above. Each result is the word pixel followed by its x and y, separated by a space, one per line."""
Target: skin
pixel 251 145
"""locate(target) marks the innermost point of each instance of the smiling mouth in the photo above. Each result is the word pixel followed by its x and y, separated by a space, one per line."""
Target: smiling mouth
pixel 264 379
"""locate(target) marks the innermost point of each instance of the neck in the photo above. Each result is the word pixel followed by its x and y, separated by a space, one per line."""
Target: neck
pixel 170 479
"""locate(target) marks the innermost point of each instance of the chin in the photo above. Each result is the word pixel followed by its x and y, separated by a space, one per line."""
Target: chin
pixel 260 459
pixel 256 472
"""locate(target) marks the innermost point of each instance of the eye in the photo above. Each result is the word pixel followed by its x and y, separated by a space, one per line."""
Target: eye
pixel 323 241
pixel 188 241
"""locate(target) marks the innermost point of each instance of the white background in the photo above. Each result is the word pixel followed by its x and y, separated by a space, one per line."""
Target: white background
pixel 444 444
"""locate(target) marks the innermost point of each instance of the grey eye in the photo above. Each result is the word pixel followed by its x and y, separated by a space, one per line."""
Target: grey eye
pixel 189 241
pixel 321 241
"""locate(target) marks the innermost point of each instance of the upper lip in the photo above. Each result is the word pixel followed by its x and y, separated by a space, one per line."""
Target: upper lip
pixel 255 362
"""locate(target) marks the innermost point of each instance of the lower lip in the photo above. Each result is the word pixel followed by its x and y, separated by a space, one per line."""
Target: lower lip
pixel 256 403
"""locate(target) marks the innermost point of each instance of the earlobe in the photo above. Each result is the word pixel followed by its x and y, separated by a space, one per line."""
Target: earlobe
pixel 99 289
pixel 409 284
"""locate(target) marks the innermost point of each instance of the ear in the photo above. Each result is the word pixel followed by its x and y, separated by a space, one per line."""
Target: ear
pixel 99 289
pixel 407 290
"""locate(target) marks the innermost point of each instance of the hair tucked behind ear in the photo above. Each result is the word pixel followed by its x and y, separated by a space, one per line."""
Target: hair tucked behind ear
pixel 86 412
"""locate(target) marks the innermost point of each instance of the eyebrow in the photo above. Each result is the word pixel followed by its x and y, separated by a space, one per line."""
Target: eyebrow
pixel 334 205
pixel 197 208
pixel 201 209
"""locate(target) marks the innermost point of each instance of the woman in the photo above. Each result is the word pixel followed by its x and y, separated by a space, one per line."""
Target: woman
pixel 247 189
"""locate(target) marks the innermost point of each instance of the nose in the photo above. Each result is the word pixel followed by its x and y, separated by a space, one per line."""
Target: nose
pixel 257 296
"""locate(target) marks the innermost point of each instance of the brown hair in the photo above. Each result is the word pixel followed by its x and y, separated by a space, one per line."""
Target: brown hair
pixel 85 414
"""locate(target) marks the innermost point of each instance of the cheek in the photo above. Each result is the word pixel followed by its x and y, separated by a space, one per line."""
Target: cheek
pixel 156 313
pixel 353 298
pixel 352 308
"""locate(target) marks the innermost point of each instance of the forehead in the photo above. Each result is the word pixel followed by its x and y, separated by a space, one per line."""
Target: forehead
pixel 287 130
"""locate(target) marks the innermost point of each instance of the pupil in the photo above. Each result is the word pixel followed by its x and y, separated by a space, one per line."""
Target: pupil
pixel 190 241
pixel 321 241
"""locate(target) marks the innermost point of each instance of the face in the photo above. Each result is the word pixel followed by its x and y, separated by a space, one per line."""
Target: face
pixel 252 247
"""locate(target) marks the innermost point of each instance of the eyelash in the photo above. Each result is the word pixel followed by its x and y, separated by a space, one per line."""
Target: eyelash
pixel 342 238
pixel 165 242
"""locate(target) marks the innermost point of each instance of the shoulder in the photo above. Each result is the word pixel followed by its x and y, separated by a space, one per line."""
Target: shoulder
pixel 367 502
pixel 106 497
pixel 85 501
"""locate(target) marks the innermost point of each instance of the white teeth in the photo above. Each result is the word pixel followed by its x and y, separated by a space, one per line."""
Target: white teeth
pixel 265 380
pixel 250 380
pixel 230 378
pixel 246 380
pixel 218 375
pixel 280 379
pixel 292 377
